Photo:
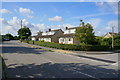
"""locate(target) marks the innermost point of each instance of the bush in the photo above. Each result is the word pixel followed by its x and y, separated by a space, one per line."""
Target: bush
pixel 73 46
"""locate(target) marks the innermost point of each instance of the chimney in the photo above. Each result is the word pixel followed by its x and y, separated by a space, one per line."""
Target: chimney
pixel 49 29
pixel 39 33
pixel 66 27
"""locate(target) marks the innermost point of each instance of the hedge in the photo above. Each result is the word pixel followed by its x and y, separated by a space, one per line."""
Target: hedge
pixel 73 46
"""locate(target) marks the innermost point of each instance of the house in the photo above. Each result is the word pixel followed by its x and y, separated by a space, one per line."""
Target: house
pixel 68 36
pixel 35 38
pixel 109 34
pixel 50 35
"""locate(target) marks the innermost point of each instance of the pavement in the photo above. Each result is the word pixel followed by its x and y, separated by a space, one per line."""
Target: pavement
pixel 24 61
pixel 0 61
pixel 0 68
pixel 104 56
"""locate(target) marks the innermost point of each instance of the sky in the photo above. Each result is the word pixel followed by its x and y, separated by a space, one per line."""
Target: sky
pixel 40 16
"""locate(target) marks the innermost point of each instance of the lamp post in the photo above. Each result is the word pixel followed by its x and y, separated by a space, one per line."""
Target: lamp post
pixel 21 30
pixel 112 37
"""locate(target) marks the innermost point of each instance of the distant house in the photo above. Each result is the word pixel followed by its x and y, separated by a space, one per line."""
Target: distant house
pixel 50 35
pixel 37 36
pixel 68 36
pixel 33 38
pixel 109 35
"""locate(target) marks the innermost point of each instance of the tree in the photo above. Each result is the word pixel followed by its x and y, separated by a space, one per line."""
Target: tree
pixel 16 37
pixel 9 36
pixel 117 40
pixel 85 34
pixel 24 32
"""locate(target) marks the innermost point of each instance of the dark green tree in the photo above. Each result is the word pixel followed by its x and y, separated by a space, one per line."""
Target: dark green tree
pixel 117 40
pixel 9 36
pixel 24 32
pixel 16 37
pixel 85 34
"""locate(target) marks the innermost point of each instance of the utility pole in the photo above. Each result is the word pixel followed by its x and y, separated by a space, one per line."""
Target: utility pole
pixel 21 30
pixel 112 37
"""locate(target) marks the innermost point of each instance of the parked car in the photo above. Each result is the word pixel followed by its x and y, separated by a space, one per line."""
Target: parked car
pixel 6 39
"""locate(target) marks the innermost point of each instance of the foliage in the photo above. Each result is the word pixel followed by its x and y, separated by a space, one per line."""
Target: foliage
pixel 73 46
pixel 117 40
pixel 9 36
pixel 16 37
pixel 85 34
pixel 0 38
pixel 24 33
pixel 108 41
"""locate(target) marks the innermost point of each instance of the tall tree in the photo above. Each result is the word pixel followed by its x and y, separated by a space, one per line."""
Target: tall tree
pixel 9 36
pixel 24 32
pixel 85 33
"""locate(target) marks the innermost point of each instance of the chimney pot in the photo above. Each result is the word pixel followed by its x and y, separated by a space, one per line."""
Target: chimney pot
pixel 66 28
pixel 49 29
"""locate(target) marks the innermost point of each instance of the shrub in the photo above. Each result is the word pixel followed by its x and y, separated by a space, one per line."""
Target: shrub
pixel 73 46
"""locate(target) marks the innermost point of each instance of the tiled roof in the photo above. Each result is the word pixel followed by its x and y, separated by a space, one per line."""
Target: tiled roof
pixel 72 28
pixel 54 30
pixel 46 36
pixel 67 35
pixel 113 33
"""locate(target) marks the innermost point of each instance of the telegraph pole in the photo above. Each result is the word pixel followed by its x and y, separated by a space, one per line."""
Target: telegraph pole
pixel 112 37
pixel 21 30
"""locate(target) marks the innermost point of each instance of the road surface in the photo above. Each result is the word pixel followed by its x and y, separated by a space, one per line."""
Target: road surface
pixel 22 61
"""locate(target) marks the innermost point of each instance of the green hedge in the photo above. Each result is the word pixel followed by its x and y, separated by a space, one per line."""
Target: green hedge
pixel 73 46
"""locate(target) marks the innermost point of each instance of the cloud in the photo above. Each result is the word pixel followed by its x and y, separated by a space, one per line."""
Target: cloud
pixel 110 24
pixel 3 11
pixel 62 26
pixel 101 31
pixel 98 0
pixel 90 15
pixel 108 7
pixel 95 22
pixel 29 16
pixel 26 12
pixel 13 25
pixel 56 19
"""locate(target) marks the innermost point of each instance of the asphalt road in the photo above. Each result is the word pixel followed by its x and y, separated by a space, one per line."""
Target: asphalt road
pixel 22 61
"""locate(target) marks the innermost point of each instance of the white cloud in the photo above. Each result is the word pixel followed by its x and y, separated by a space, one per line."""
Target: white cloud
pixel 113 23
pixel 98 0
pixel 26 12
pixel 56 19
pixel 29 16
pixel 110 24
pixel 95 22
pixel 13 25
pixel 101 31
pixel 108 7
pixel 2 11
pixel 63 26
pixel 90 15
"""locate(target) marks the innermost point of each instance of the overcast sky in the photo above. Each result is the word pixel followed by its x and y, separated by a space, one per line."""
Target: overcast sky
pixel 40 16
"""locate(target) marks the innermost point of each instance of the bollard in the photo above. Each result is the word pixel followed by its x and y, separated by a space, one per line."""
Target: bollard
pixel 33 42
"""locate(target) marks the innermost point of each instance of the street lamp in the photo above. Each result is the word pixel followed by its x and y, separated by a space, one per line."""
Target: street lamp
pixel 112 37
pixel 21 30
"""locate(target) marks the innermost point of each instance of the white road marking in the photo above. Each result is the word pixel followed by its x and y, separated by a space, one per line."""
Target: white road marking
pixel 86 74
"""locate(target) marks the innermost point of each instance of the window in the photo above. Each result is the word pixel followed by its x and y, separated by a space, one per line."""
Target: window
pixel 62 40
pixel 69 39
